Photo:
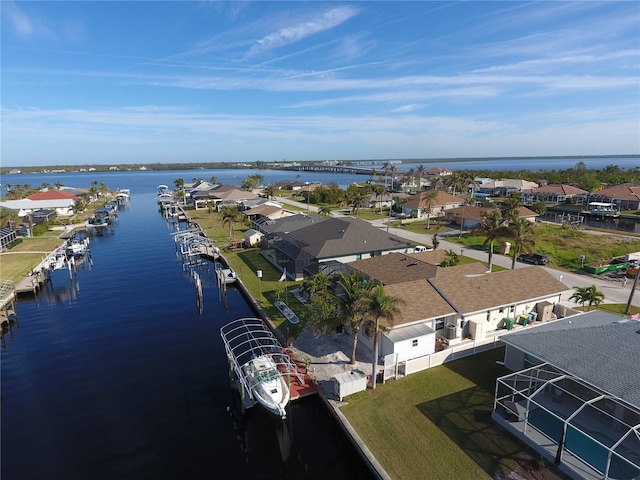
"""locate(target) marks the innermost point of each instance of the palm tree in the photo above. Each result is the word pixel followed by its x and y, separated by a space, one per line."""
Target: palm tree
pixel 210 206
pixel 521 232
pixel 270 191
pixel 354 200
pixel 594 296
pixel 428 198
pixel 420 170
pixel 378 190
pixel 493 228
pixel 579 295
pixel 316 285
pixel 590 295
pixel 510 208
pixel 229 215
pixel 354 303
pixel 384 306
pixel 179 184
pixel 325 210
pixel 385 167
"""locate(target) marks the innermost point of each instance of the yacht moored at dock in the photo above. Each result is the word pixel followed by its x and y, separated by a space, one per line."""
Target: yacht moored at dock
pixel 263 372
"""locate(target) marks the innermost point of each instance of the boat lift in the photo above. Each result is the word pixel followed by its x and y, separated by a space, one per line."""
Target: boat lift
pixel 247 338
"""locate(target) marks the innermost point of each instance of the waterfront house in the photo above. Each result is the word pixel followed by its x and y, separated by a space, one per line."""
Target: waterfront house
pixel 575 395
pixel 62 207
pixel 460 307
pixel 625 197
pixel 505 187
pixel 221 195
pixel 552 194
pixel 329 244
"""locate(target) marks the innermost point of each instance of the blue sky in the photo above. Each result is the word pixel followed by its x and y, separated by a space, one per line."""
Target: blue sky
pixel 139 82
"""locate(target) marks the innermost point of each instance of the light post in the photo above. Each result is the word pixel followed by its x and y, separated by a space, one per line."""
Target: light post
pixel 259 274
pixel 582 257
pixel 308 195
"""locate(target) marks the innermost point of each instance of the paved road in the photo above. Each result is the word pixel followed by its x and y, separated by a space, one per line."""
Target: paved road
pixel 612 288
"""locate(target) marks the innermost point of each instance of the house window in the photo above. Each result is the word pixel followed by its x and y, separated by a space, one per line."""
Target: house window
pixel 359 256
pixel 439 325
pixel 414 342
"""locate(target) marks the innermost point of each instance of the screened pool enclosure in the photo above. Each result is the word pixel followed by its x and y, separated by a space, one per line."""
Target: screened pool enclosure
pixel 587 432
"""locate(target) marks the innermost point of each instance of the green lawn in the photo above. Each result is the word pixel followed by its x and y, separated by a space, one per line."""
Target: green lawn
pixel 563 246
pixel 436 423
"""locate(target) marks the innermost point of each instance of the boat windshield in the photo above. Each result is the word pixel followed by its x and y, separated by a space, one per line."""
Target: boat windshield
pixel 267 375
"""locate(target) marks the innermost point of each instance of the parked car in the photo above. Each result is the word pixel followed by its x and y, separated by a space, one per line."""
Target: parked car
pixel 535 258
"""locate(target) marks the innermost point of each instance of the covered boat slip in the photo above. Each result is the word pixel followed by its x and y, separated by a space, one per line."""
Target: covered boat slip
pixel 583 430
pixel 246 339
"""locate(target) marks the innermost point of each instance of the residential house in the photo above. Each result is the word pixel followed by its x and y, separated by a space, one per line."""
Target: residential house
pixel 417 206
pixel 551 194
pixel 329 244
pixel 378 202
pixel 625 197
pixel 26 206
pixel 454 304
pixel 575 394
pixel 437 172
pixel 286 223
pixel 469 216
pixel 267 211
pixel 54 194
pixel 221 195
pixel 505 187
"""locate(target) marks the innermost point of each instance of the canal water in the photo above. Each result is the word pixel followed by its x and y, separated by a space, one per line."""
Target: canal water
pixel 119 373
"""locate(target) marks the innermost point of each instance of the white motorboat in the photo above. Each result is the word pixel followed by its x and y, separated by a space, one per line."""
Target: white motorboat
pixel 58 260
pixel 77 246
pixel 226 275
pixel 267 384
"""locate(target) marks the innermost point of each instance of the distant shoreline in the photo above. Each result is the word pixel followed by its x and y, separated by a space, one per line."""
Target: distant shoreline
pixel 89 168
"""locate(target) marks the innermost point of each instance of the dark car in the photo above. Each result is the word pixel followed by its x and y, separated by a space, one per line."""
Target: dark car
pixel 535 258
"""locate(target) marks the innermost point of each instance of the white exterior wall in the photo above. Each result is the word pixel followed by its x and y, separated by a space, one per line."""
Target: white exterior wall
pixel 496 316
pixel 353 258
pixel 406 350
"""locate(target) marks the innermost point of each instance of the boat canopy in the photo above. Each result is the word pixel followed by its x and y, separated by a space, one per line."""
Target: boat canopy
pixel 248 338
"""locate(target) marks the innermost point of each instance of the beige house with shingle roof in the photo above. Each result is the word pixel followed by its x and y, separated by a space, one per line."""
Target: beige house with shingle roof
pixel 453 303
pixel 417 205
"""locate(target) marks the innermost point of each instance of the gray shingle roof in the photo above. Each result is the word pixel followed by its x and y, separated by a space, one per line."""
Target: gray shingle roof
pixel 598 347
pixel 338 237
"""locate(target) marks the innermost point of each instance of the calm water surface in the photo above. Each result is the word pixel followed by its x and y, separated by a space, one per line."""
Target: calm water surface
pixel 117 374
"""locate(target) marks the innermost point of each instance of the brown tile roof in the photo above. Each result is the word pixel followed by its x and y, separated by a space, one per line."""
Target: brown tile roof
pixel 53 194
pixel 472 293
pixel 621 192
pixel 434 257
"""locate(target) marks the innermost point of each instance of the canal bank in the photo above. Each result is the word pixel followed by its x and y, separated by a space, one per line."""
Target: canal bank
pixel 317 369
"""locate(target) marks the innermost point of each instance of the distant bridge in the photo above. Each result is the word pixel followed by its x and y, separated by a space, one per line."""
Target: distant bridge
pixel 333 169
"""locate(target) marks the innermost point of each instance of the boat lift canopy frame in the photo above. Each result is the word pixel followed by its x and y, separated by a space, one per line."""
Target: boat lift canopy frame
pixel 247 338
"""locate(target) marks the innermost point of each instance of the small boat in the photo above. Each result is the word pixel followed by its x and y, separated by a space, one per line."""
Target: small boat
pixel 226 275
pixel 58 260
pixel 77 246
pixel 267 384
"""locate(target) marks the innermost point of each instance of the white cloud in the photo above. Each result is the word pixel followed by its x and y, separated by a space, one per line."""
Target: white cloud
pixel 288 35
pixel 21 22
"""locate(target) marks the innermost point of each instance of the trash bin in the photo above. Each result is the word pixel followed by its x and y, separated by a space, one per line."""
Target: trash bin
pixel 524 319
pixel 508 323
